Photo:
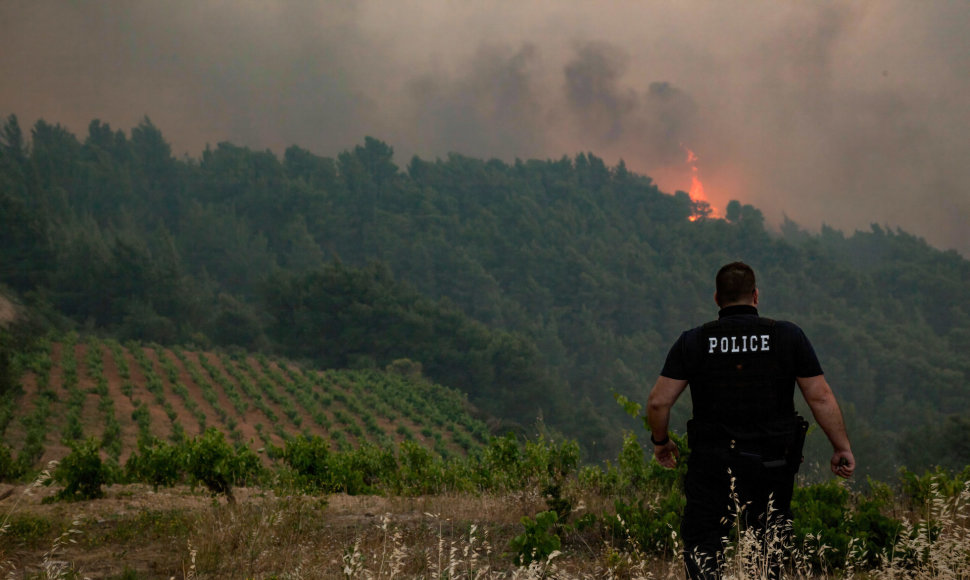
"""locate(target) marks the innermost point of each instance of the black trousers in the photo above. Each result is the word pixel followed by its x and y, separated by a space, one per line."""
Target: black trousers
pixel 727 491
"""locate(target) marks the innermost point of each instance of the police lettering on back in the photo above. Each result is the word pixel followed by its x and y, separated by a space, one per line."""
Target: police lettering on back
pixel 736 344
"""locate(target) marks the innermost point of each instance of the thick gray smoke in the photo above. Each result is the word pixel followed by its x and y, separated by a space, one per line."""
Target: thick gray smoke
pixel 611 114
pixel 839 113
pixel 490 110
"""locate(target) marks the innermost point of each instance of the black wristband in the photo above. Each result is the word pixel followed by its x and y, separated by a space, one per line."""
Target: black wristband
pixel 663 441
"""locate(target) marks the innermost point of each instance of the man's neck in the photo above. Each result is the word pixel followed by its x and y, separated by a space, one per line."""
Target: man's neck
pixel 737 309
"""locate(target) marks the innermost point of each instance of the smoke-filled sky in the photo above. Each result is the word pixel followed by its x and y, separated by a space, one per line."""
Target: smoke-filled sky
pixel 843 113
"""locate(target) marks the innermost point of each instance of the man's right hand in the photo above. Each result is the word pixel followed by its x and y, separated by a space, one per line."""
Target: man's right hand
pixel 666 454
pixel 843 464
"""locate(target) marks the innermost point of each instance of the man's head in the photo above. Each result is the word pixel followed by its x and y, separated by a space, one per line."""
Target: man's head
pixel 735 284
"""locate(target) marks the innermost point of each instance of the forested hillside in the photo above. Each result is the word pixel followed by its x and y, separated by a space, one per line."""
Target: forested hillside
pixel 541 287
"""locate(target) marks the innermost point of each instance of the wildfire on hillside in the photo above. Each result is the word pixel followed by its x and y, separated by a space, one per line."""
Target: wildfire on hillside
pixel 696 192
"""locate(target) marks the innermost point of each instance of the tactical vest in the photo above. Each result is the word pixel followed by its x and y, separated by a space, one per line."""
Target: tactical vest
pixel 741 374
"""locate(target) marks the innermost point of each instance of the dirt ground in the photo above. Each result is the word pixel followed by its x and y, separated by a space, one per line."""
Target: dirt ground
pixel 135 532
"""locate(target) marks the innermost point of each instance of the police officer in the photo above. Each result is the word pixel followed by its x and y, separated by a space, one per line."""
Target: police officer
pixel 745 436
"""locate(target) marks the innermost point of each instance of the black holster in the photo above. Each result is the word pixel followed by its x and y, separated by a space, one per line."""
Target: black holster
pixel 774 444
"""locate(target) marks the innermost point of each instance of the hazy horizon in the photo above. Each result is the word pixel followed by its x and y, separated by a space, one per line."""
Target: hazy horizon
pixel 844 114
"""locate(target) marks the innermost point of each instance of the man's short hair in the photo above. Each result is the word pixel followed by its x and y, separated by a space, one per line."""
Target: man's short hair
pixel 734 283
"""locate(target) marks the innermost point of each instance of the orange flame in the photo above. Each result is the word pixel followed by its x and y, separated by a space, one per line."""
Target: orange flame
pixel 697 188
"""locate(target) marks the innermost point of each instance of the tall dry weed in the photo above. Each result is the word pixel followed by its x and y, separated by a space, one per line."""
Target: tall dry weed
pixel 293 538
pixel 935 545
pixel 255 538
pixel 932 544
pixel 51 565
pixel 471 556
pixel 54 568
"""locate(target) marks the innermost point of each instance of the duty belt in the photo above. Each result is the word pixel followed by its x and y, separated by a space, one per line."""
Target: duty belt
pixel 774 444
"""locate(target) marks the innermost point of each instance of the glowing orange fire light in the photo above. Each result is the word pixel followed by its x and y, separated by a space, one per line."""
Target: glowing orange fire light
pixel 696 187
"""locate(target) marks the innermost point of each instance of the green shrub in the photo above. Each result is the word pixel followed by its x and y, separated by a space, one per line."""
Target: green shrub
pixel 649 499
pixel 157 463
pixel 921 489
pixel 362 470
pixel 502 463
pixel 420 472
pixel 538 541
pixel 505 463
pixel 830 513
pixel 73 431
pixel 82 472
pixel 403 431
pixel 544 460
pixel 310 458
pixel 9 469
pixel 213 462
pixel 648 523
pixel 111 438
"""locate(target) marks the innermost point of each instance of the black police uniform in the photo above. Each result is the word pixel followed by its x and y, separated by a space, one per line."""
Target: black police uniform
pixel 741 370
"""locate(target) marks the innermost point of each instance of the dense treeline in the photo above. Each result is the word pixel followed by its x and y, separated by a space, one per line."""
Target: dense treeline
pixel 541 288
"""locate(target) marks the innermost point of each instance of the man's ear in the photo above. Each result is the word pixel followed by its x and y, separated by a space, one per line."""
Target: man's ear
pixel 716 301
pixel 755 297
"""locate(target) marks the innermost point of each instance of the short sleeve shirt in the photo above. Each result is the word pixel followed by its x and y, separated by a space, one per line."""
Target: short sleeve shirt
pixel 792 341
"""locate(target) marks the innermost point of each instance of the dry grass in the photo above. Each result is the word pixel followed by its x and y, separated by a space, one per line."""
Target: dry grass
pixel 51 565
pixel 185 535
pixel 937 545
pixel 932 544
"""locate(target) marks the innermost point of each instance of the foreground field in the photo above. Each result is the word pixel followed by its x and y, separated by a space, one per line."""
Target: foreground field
pixel 137 533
